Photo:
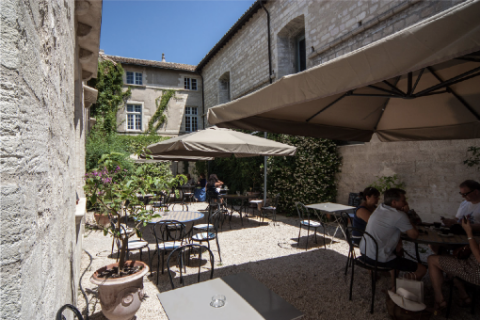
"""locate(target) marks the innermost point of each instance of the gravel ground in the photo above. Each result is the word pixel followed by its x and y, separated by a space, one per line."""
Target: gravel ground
pixel 313 281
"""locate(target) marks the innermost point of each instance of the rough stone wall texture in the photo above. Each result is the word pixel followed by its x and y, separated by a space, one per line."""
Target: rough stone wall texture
pixel 38 167
pixel 432 170
pixel 154 81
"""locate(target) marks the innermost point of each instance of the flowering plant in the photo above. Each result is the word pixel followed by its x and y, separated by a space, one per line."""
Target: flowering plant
pixel 111 191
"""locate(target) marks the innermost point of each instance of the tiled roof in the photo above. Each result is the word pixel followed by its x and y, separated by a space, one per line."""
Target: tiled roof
pixel 230 33
pixel 152 63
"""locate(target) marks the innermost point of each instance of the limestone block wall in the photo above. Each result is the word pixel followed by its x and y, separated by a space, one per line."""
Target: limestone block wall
pixel 431 171
pixel 155 80
pixel 38 167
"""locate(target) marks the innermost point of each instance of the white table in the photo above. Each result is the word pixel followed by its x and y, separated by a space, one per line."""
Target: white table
pixel 247 298
pixel 334 209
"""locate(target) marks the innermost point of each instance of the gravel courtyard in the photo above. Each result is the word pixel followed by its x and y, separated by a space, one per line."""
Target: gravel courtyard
pixel 313 281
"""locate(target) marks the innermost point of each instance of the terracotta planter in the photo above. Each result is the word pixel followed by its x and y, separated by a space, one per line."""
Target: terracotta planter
pixel 120 297
pixel 102 219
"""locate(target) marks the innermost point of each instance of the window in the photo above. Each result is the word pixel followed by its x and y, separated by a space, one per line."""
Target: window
pixel 291 44
pixel 134 78
pixel 190 84
pixel 134 117
pixel 191 121
pixel 224 88
pixel 301 53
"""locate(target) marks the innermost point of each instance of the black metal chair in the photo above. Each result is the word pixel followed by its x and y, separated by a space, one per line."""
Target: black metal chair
pixel 354 199
pixel 169 235
pixel 161 201
pixel 306 221
pixel 450 298
pixel 75 311
pixel 211 231
pixel 350 257
pixel 133 245
pixel 362 262
pixel 265 211
pixel 185 252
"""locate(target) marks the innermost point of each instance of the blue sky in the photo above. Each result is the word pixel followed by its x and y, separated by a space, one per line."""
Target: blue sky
pixel 184 30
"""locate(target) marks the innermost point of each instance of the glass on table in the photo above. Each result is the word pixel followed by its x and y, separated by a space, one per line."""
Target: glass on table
pixel 238 193
pixel 218 301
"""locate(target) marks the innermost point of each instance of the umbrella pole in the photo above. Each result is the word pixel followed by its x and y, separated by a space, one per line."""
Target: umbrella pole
pixel 265 176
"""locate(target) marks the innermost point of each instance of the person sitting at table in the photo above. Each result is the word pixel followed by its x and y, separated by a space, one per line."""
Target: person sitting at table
pixel 470 207
pixel 212 185
pixel 363 212
pixel 466 269
pixel 200 189
pixel 385 225
pixel 190 182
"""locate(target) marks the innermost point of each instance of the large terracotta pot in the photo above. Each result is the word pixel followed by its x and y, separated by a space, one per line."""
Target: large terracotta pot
pixel 120 297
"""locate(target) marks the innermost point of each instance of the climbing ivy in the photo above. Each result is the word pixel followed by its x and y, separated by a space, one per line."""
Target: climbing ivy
pixel 159 117
pixel 109 84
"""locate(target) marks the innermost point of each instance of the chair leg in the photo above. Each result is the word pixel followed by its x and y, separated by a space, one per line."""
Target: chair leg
pixel 348 261
pixel 299 229
pixel 218 247
pixel 351 280
pixel 325 240
pixel 158 263
pixel 163 262
pixel 315 234
pixel 308 234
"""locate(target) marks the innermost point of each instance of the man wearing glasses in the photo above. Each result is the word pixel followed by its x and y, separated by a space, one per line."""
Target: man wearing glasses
pixel 470 207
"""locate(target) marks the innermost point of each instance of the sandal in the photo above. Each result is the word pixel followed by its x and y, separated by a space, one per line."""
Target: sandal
pixel 439 306
pixel 465 302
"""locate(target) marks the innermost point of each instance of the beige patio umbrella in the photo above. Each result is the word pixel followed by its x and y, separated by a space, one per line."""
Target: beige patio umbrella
pixel 156 159
pixel 218 142
pixel 422 83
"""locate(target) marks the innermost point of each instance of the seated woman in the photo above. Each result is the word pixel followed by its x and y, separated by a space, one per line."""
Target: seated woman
pixel 200 190
pixel 466 269
pixel 363 212
pixel 212 185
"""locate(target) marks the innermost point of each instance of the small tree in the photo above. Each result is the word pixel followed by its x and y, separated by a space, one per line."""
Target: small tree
pixel 110 189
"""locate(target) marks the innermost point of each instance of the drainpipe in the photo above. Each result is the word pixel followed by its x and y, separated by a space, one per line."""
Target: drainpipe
pixel 270 78
pixel 203 103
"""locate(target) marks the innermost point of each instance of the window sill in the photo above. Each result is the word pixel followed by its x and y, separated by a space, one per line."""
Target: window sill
pixel 143 86
pixel 80 210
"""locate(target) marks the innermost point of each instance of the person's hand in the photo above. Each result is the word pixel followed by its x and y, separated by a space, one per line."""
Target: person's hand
pixel 448 222
pixel 406 208
pixel 467 227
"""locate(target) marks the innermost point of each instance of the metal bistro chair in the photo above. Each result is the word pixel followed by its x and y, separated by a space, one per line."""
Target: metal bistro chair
pixel 368 240
pixel 132 245
pixel 75 311
pixel 169 235
pixel 354 240
pixel 211 231
pixel 161 201
pixel 306 221
pixel 185 251
pixel 265 211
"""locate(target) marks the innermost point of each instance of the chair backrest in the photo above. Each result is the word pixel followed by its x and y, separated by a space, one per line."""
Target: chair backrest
pixel 60 315
pixel 368 240
pixel 354 199
pixel 302 211
pixel 277 198
pixel 169 231
pixel 212 196
pixel 185 252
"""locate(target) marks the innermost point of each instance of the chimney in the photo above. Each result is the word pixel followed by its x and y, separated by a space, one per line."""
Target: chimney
pixel 163 57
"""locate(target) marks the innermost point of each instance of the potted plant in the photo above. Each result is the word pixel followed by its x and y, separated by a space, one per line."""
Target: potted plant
pixel 120 285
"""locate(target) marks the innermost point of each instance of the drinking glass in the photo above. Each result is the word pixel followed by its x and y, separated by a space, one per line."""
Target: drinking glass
pixel 238 193
pixel 218 301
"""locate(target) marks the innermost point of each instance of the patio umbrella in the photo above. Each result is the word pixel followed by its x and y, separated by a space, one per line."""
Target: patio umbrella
pixel 155 159
pixel 422 83
pixel 218 142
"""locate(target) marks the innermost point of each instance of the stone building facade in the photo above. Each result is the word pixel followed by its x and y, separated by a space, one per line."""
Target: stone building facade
pixel 307 33
pixel 49 49
pixel 148 81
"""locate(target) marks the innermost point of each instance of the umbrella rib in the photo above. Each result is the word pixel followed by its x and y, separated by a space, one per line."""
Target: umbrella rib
pixel 385 106
pixel 451 81
pixel 394 87
pixel 381 89
pixel 459 98
pixel 346 94
pixel 418 80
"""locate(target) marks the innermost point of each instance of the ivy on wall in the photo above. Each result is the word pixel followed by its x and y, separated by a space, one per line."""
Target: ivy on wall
pixel 159 117
pixel 109 83
pixel 308 177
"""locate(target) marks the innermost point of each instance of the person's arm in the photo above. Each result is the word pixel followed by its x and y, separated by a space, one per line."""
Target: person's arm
pixel 363 214
pixel 471 241
pixel 218 183
pixel 412 233
pixel 406 226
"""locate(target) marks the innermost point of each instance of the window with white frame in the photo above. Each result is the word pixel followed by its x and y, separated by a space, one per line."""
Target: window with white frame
pixel 191 120
pixel 190 84
pixel 134 117
pixel 134 78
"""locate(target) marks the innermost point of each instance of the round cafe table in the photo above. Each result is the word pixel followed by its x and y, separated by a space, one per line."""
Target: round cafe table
pixel 180 216
pixel 432 236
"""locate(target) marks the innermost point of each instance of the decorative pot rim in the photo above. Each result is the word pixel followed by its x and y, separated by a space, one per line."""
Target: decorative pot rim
pixel 115 281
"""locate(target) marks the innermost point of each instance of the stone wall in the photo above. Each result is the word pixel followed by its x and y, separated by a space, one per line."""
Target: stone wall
pixel 39 167
pixel 431 170
pixel 155 80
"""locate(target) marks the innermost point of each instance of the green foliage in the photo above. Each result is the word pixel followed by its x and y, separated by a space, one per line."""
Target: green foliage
pixel 308 177
pixel 159 117
pixel 239 174
pixel 109 84
pixel 474 157
pixel 201 168
pixel 109 188
pixel 387 182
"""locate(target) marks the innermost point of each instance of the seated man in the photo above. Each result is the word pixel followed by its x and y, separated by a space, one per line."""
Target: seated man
pixel 470 207
pixel 385 225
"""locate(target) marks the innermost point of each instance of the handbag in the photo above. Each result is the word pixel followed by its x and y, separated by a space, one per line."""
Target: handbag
pixel 414 286
pixel 462 253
